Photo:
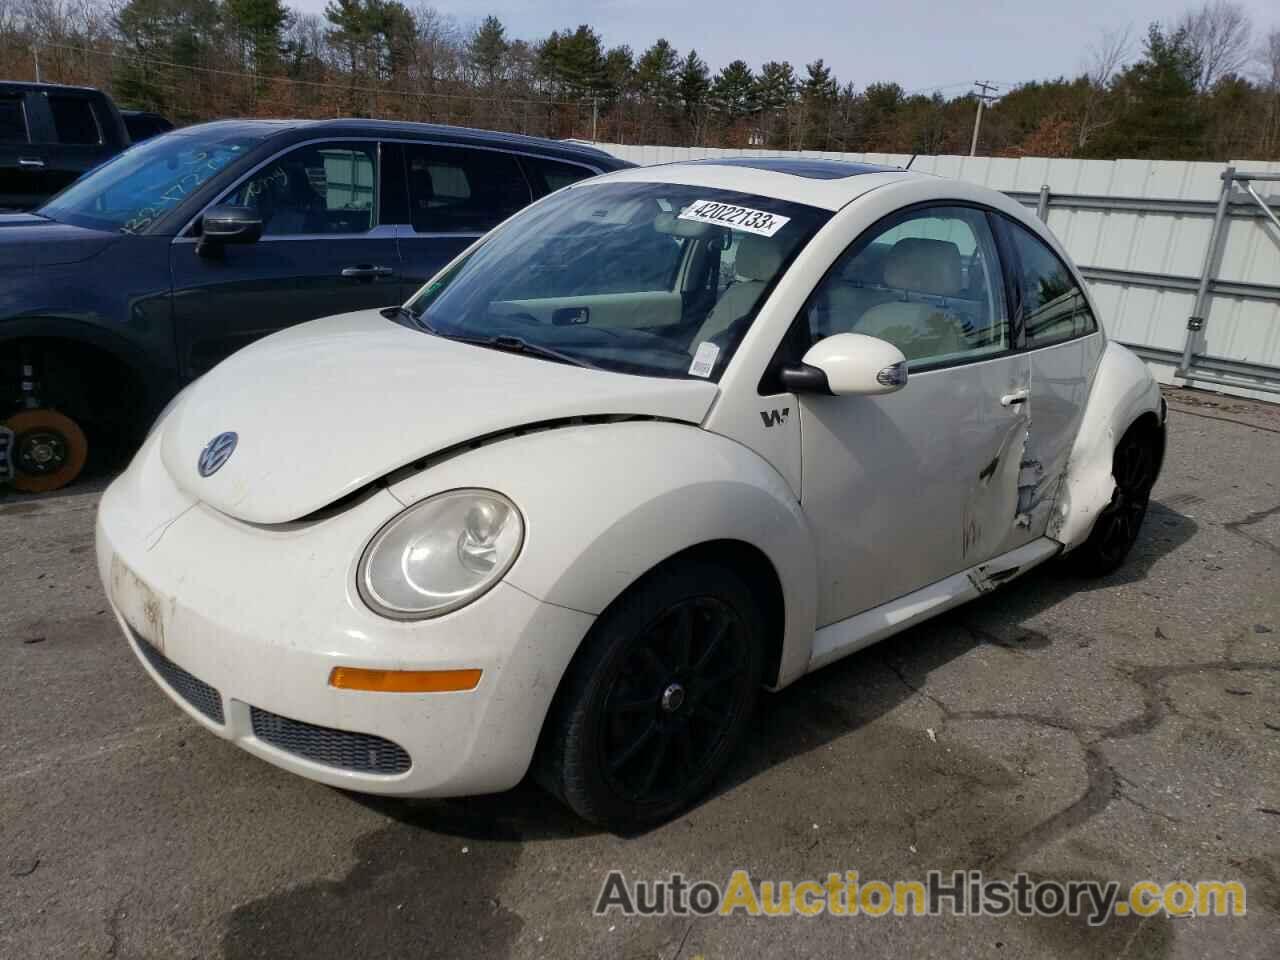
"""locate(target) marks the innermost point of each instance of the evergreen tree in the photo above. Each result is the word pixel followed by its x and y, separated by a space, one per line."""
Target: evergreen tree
pixel 733 92
pixel 259 23
pixel 1160 115
pixel 657 74
pixel 818 94
pixel 488 50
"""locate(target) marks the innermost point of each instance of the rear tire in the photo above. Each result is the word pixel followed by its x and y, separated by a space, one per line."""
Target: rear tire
pixel 657 699
pixel 49 450
pixel 1134 467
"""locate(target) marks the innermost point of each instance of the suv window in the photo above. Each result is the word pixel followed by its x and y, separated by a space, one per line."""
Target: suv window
pixel 13 120
pixel 318 189
pixel 462 190
pixel 74 120
pixel 548 176
pixel 1054 308
pixel 928 281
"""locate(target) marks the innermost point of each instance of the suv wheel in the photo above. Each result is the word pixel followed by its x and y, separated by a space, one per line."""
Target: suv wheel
pixel 49 450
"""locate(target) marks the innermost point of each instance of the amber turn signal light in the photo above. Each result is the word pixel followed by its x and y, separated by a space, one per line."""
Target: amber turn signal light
pixel 403 681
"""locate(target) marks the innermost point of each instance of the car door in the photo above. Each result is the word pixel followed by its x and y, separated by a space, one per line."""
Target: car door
pixel 905 489
pixel 21 161
pixel 322 252
pixel 1063 346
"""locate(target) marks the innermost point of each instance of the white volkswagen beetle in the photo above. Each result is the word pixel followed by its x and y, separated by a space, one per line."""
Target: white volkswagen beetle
pixel 664 438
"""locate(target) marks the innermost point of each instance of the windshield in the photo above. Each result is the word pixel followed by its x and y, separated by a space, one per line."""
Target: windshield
pixel 134 189
pixel 656 279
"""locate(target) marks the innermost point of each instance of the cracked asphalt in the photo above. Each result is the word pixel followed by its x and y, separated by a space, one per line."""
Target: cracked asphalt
pixel 1126 729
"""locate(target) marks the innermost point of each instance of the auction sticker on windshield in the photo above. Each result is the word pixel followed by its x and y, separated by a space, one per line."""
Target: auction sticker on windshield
pixel 738 218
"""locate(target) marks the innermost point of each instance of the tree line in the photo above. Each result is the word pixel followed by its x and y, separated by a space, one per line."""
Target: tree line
pixel 1203 86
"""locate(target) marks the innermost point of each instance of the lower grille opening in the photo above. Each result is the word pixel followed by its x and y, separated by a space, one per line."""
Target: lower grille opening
pixel 362 752
pixel 195 691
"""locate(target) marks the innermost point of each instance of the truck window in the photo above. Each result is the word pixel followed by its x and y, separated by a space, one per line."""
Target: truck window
pixel 13 120
pixel 74 120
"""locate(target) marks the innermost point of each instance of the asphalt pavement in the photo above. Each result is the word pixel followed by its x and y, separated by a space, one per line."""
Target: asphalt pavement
pixel 1119 729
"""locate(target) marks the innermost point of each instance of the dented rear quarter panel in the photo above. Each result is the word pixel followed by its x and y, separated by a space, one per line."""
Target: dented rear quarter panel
pixel 1123 390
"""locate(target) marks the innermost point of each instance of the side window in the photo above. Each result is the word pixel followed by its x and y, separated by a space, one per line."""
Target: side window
pixel 460 190
pixel 74 120
pixel 323 188
pixel 928 281
pixel 13 120
pixel 548 176
pixel 1053 307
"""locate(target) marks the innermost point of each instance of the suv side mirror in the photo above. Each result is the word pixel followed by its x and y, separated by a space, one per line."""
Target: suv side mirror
pixel 227 224
pixel 848 364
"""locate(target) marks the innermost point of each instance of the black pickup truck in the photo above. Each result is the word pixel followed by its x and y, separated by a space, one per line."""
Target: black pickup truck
pixel 50 135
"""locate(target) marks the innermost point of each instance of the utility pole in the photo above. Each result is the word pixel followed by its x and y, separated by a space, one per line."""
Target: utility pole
pixel 983 97
pixel 595 112
pixel 35 56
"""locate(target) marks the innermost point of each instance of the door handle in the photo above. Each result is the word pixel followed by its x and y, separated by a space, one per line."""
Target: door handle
pixel 33 162
pixel 365 271
pixel 1015 398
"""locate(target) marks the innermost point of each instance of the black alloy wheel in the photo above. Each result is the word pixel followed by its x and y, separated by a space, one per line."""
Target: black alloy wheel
pixel 658 697
pixel 1135 466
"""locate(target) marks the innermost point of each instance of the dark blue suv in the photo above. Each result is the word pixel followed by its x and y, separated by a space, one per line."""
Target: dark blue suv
pixel 148 271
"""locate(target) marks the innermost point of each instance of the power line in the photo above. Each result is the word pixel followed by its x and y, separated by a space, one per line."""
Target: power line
pixel 328 84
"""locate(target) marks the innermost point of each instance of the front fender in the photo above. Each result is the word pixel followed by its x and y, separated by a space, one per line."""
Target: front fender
pixel 605 503
pixel 1123 390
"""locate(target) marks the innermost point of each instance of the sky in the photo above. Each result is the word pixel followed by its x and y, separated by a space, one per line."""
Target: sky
pixel 921 45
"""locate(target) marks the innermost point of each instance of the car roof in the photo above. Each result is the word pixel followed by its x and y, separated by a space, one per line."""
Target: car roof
pixel 406 130
pixel 828 184
pixel 13 85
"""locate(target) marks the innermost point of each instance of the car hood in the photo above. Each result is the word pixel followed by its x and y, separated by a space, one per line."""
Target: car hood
pixel 326 407
pixel 27 240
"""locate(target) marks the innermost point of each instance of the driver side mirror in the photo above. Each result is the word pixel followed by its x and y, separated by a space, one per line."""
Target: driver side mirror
pixel 848 364
pixel 225 224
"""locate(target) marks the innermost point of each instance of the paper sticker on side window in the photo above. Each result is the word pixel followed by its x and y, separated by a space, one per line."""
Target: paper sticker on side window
pixel 760 222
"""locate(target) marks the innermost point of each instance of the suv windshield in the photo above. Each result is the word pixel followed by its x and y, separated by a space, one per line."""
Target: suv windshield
pixel 656 279
pixel 134 189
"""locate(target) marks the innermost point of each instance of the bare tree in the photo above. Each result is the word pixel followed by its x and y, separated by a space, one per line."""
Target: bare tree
pixel 1220 34
pixel 1268 59
pixel 1106 55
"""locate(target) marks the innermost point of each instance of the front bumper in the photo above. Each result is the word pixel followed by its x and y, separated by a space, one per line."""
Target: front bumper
pixel 242 625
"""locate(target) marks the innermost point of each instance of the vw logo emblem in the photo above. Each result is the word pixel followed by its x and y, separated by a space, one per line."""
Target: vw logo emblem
pixel 216 452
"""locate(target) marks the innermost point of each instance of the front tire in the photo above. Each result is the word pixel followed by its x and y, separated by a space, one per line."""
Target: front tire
pixel 658 698
pixel 1134 467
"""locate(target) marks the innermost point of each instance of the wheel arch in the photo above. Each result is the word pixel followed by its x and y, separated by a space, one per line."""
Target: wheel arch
pixel 68 336
pixel 606 504
pixel 1124 395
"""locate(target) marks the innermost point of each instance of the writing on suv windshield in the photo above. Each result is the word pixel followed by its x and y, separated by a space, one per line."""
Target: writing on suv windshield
pixel 135 189
pixel 646 278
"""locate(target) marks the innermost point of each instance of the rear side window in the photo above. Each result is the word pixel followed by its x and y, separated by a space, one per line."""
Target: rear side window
pixel 13 120
pixel 461 190
pixel 1053 306
pixel 548 176
pixel 74 120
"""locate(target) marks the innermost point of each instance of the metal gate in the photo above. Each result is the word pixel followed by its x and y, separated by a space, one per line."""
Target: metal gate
pixel 1239 201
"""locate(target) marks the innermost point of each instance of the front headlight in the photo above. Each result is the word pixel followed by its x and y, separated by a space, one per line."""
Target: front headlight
pixel 440 554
